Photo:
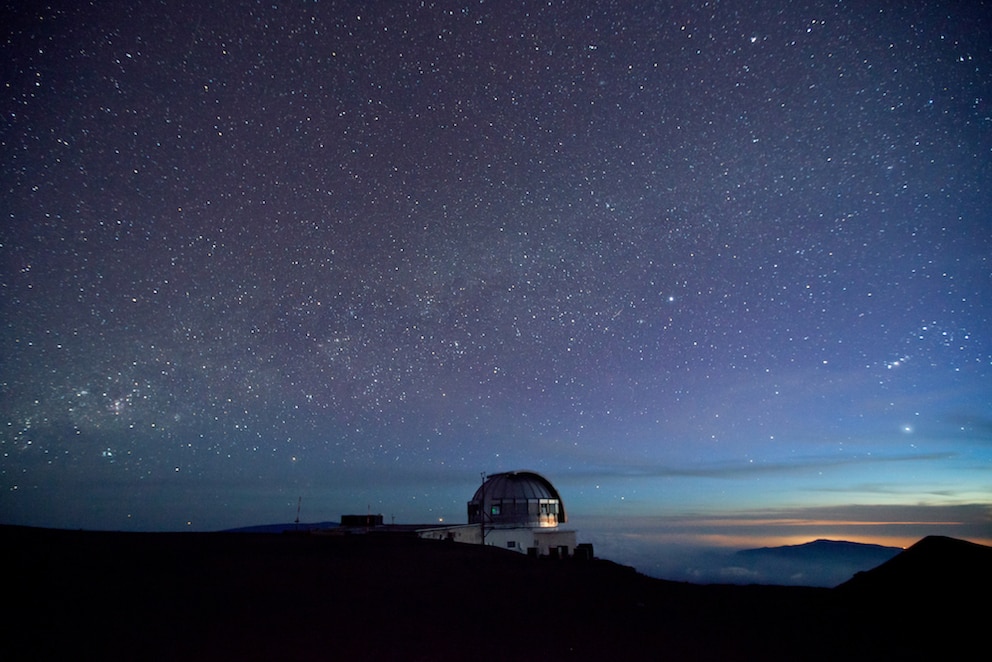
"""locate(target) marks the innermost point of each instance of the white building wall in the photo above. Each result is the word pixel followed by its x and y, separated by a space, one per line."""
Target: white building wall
pixel 548 539
pixel 519 539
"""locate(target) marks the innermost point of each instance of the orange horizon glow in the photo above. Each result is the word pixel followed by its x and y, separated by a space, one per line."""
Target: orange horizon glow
pixel 732 533
pixel 745 540
pixel 813 522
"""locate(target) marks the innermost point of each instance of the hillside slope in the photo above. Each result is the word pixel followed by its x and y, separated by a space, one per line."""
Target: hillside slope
pixel 189 596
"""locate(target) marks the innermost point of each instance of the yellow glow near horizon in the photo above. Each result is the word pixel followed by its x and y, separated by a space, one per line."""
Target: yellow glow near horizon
pixel 763 533
pixel 810 522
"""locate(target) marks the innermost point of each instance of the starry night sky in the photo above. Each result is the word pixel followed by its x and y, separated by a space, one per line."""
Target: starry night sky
pixel 715 265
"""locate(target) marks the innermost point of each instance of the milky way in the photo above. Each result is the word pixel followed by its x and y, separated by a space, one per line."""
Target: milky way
pixel 695 257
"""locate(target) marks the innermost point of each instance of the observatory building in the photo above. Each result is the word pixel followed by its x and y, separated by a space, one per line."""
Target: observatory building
pixel 518 510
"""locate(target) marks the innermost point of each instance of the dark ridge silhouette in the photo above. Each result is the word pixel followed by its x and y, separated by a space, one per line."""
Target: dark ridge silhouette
pixel 930 600
pixel 290 527
pixel 936 566
pixel 248 596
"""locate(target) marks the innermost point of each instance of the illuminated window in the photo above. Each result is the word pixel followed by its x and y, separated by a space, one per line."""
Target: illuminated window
pixel 494 510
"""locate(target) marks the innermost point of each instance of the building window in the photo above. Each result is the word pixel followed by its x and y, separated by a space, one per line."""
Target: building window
pixel 494 509
pixel 512 544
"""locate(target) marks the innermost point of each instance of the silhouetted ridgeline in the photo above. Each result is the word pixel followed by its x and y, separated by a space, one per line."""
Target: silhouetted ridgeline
pixel 937 567
pixel 934 595
pixel 244 596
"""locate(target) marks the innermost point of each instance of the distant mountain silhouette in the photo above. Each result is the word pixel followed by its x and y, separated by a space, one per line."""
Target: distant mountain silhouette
pixel 284 528
pixel 826 549
pixel 824 563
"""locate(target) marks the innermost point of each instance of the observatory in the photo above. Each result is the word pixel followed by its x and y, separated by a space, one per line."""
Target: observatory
pixel 516 498
pixel 518 510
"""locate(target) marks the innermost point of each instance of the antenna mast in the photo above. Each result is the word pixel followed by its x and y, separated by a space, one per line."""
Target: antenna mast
pixel 482 509
pixel 299 503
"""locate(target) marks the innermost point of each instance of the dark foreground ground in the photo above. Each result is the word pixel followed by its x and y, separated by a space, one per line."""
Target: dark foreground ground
pixel 236 596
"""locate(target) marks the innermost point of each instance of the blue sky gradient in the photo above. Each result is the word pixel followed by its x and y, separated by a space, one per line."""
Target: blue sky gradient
pixel 722 275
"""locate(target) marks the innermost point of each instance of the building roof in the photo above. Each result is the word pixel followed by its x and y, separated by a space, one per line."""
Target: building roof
pixel 522 487
pixel 517 485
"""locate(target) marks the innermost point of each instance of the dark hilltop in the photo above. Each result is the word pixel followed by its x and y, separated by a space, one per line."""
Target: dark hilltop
pixel 256 596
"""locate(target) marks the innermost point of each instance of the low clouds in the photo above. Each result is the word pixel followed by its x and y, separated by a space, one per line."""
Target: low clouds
pixel 700 547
